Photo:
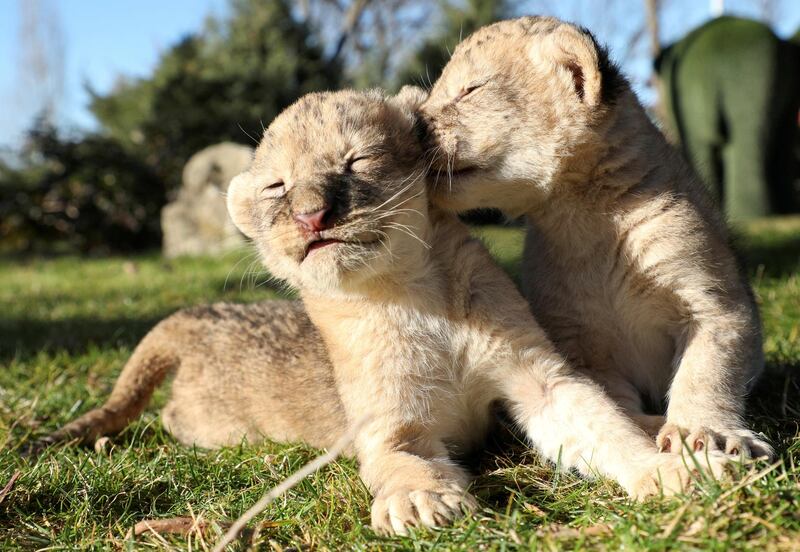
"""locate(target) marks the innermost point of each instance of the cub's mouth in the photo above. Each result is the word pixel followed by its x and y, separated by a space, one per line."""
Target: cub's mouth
pixel 314 245
pixel 326 243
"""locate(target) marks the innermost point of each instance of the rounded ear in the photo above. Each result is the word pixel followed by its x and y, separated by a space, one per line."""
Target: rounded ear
pixel 409 98
pixel 572 55
pixel 240 198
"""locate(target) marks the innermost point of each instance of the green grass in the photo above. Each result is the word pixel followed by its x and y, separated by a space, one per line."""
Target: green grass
pixel 68 324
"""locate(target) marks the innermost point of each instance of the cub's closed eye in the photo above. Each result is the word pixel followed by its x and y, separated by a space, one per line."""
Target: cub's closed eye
pixel 273 189
pixel 355 163
pixel 466 91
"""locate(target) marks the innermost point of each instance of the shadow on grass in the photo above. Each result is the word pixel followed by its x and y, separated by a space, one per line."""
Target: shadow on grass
pixel 774 407
pixel 778 254
pixel 23 338
pixel 57 498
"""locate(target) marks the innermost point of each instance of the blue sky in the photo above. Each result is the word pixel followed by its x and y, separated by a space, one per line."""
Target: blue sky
pixel 103 39
pixel 107 38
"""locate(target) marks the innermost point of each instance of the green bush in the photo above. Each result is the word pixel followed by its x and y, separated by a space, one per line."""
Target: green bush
pixel 85 194
pixel 218 85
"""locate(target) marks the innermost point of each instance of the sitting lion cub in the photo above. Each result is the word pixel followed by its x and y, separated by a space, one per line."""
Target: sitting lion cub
pixel 424 332
pixel 626 263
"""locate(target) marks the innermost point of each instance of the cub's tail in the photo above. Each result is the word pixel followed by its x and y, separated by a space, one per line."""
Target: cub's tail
pixel 147 367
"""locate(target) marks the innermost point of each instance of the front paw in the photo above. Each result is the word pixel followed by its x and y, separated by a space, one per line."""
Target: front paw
pixel 397 509
pixel 737 442
pixel 675 473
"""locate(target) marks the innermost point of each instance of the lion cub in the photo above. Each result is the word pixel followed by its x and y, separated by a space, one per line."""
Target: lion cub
pixel 626 265
pixel 240 372
pixel 423 330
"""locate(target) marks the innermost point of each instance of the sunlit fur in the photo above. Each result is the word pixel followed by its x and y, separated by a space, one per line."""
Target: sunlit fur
pixel 423 330
pixel 420 336
pixel 378 204
pixel 626 263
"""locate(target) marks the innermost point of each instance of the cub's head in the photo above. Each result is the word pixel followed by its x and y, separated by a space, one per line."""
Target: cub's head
pixel 513 108
pixel 336 192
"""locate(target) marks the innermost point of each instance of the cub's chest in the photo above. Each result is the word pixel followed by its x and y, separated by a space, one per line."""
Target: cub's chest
pixel 399 333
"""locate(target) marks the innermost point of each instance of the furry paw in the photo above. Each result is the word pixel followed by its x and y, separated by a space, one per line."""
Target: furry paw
pixel 739 442
pixel 672 473
pixel 395 510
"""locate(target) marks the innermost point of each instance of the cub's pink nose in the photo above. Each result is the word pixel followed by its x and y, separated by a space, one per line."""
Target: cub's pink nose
pixel 313 222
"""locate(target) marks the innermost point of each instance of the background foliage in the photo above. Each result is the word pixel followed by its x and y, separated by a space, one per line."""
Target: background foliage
pixel 86 194
pixel 102 191
pixel 233 75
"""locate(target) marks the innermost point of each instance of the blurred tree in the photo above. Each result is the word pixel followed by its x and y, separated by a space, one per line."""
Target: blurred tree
pixel 459 19
pixel 219 84
pixel 41 58
pixel 85 194
pixel 370 37
pixel 104 191
pixel 653 28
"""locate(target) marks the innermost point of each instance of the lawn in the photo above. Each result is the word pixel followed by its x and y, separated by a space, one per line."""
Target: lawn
pixel 67 325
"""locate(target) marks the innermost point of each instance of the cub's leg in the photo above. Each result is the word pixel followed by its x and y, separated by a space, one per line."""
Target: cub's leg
pixel 413 480
pixel 402 457
pixel 720 361
pixel 575 424
pixel 718 346
pixel 152 359
pixel 241 371
pixel 568 417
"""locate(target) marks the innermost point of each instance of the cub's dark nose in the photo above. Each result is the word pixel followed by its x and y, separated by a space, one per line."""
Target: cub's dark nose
pixel 313 222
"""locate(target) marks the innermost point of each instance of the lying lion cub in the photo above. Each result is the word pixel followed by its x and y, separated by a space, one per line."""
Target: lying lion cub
pixel 626 263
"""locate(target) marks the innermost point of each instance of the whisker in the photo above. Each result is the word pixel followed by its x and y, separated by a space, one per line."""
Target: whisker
pixel 408 199
pixel 246 273
pixel 401 191
pixel 247 257
pixel 406 230
pixel 247 133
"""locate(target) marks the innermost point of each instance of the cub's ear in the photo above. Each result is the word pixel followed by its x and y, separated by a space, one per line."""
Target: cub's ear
pixel 409 98
pixel 240 200
pixel 572 56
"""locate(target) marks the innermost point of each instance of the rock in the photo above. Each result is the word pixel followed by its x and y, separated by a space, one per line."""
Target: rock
pixel 197 222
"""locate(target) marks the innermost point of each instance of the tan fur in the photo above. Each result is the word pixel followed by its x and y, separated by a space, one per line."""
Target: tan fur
pixel 424 331
pixel 240 372
pixel 626 264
